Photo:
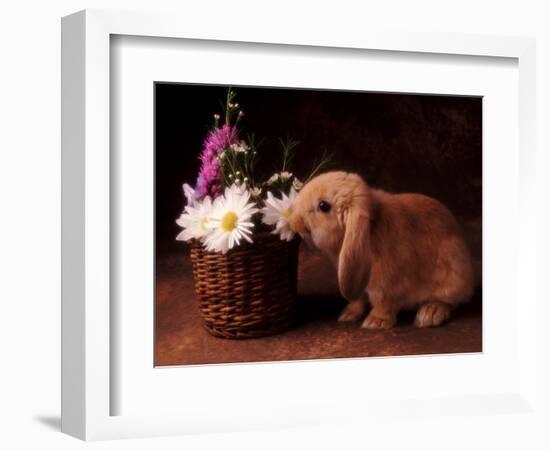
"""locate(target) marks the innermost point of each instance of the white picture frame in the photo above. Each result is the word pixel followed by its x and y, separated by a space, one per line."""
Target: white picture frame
pixel 87 386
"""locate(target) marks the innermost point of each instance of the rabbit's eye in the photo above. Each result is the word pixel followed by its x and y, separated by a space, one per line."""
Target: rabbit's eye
pixel 324 206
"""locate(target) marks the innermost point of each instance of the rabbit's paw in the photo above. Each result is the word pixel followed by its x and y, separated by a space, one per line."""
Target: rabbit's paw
pixel 432 315
pixel 373 322
pixel 353 312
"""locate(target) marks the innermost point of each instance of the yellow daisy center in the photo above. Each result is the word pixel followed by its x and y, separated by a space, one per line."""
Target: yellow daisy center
pixel 202 224
pixel 229 221
pixel 286 212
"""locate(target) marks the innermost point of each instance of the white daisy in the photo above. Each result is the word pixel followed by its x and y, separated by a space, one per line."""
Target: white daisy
pixel 195 219
pixel 297 184
pixel 230 220
pixel 285 175
pixel 276 212
pixel 273 178
pixel 236 189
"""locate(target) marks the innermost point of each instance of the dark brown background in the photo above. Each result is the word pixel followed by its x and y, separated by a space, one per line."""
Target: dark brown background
pixel 401 143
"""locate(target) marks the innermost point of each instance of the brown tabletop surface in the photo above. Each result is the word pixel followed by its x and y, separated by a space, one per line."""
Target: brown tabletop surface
pixel 181 338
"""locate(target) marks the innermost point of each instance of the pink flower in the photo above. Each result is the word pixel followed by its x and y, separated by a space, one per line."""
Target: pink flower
pixel 209 179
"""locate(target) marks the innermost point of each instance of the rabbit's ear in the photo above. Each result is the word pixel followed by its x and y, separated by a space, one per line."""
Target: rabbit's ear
pixel 354 259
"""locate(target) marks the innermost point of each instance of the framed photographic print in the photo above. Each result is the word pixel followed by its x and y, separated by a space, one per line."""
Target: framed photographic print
pixel 403 142
pixel 258 223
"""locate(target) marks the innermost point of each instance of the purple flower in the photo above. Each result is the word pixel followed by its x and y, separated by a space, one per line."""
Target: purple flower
pixel 208 181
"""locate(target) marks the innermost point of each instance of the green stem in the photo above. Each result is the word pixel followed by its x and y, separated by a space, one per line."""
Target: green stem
pixel 227 101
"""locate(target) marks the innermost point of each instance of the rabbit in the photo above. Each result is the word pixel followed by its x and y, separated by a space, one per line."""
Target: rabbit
pixel 395 251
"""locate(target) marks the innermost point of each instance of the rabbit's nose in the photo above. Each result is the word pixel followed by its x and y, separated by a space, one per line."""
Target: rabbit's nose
pixel 296 223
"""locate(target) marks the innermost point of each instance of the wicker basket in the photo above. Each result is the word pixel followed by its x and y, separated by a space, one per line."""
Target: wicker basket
pixel 250 291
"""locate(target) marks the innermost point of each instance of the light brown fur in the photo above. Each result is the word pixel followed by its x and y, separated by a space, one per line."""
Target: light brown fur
pixel 395 250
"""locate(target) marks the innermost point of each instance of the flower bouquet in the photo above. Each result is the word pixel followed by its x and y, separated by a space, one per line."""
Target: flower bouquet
pixel 244 255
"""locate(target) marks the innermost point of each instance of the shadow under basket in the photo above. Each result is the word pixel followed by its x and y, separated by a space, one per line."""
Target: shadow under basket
pixel 251 290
